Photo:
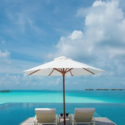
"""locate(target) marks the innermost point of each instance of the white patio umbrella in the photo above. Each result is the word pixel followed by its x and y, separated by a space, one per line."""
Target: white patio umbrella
pixel 63 66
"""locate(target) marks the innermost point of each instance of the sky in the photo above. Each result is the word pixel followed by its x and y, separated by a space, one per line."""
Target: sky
pixel 35 32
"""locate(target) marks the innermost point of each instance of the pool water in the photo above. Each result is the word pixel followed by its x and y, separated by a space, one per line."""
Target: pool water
pixel 17 106
pixel 15 113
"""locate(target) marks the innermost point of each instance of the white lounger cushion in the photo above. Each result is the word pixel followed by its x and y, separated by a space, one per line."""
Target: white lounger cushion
pixel 45 115
pixel 84 114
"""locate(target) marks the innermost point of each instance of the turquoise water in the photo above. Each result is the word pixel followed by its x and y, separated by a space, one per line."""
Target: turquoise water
pixel 110 104
pixel 15 113
pixel 57 97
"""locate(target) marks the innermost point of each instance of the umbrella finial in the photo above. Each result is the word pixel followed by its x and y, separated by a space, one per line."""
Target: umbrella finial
pixel 62 58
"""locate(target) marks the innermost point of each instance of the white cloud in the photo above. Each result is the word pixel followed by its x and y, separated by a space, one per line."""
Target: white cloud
pixel 18 19
pixel 102 38
pixel 4 58
pixel 76 35
pixel 4 54
pixel 8 65
pixel 22 20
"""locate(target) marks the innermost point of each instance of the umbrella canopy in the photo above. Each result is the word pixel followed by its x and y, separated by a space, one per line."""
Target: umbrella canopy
pixel 63 66
pixel 71 68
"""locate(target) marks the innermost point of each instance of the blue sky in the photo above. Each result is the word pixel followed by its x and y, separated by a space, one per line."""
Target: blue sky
pixel 35 32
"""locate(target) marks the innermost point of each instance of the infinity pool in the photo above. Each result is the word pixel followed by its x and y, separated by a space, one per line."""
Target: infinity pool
pixel 16 106
pixel 15 113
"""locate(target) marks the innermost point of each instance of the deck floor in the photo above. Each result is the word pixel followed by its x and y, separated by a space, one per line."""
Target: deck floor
pixel 98 121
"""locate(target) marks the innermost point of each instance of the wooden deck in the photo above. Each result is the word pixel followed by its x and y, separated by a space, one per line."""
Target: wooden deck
pixel 99 121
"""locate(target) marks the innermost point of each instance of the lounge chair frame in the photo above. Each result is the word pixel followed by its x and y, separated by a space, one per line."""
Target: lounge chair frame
pixel 92 121
pixel 75 123
pixel 56 120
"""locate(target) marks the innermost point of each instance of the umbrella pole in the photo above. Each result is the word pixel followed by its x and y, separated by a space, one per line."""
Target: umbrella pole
pixel 64 97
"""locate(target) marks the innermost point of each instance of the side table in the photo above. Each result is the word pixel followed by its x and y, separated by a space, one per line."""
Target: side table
pixel 66 117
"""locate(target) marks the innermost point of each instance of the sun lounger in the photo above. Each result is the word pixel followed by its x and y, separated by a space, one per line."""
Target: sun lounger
pixel 45 116
pixel 83 116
